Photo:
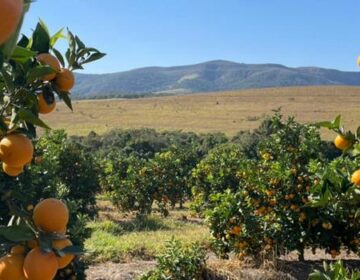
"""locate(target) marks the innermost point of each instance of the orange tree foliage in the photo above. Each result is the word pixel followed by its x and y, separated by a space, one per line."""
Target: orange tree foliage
pixel 288 198
pixel 33 75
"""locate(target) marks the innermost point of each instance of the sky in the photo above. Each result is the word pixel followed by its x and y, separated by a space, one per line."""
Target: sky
pixel 141 33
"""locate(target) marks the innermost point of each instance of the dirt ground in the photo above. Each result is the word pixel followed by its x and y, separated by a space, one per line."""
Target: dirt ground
pixel 286 268
pixel 119 271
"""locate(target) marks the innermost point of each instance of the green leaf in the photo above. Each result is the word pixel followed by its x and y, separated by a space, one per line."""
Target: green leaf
pixel 58 35
pixel 73 250
pixel 28 116
pixel 93 57
pixel 22 55
pixel 80 44
pixel 8 81
pixel 72 42
pixel 38 72
pixel 24 41
pixel 337 122
pixel 45 241
pixel 65 96
pixel 325 124
pixel 41 39
pixel 356 150
pixel 59 56
pixel 17 233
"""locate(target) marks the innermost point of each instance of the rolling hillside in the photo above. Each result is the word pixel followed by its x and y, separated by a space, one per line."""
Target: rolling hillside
pixel 211 76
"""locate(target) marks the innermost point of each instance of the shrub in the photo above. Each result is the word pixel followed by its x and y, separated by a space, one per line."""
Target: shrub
pixel 335 271
pixel 179 262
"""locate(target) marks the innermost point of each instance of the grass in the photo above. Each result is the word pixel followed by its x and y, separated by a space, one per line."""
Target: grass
pixel 226 112
pixel 118 238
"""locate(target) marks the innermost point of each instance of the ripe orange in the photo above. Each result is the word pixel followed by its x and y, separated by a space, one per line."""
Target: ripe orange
pixel 49 60
pixel 10 16
pixel 46 103
pixel 61 244
pixel 355 178
pixel 302 217
pixel 17 250
pixel 342 143
pixel 51 215
pixel 11 267
pixel 235 230
pixel 32 243
pixel 327 225
pixel 11 170
pixel 39 265
pixel 16 150
pixel 64 80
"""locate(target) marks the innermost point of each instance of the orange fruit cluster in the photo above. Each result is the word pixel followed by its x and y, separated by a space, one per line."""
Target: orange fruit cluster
pixel 50 215
pixel 63 79
pixel 343 143
pixel 16 150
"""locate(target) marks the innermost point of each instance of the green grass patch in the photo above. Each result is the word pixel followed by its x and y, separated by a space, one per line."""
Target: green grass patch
pixel 140 238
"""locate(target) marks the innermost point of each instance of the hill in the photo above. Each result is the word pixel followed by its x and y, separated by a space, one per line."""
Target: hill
pixel 226 112
pixel 210 76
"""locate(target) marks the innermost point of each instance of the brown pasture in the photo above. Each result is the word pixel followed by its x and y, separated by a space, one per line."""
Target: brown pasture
pixel 226 112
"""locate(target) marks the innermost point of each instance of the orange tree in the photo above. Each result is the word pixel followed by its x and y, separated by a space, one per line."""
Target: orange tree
pixel 33 73
pixel 267 205
pixel 135 184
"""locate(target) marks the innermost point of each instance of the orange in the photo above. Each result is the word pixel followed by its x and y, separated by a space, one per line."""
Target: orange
pixel 51 61
pixel 355 178
pixel 342 143
pixel 64 80
pixel 10 16
pixel 11 267
pixel 327 225
pixel 235 230
pixel 61 244
pixel 302 217
pixel 17 250
pixel 12 171
pixel 39 265
pixel 16 150
pixel 51 215
pixel 46 103
pixel 32 243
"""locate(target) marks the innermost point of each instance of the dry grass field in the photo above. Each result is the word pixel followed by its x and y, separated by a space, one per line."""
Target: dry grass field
pixel 227 112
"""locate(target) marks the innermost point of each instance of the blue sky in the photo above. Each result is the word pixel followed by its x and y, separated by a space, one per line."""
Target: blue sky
pixel 139 33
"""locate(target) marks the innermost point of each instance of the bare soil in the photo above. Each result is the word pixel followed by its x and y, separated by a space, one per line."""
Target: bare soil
pixel 286 268
pixel 119 271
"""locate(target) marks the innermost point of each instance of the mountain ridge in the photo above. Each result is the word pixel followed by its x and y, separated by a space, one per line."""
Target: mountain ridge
pixel 211 76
